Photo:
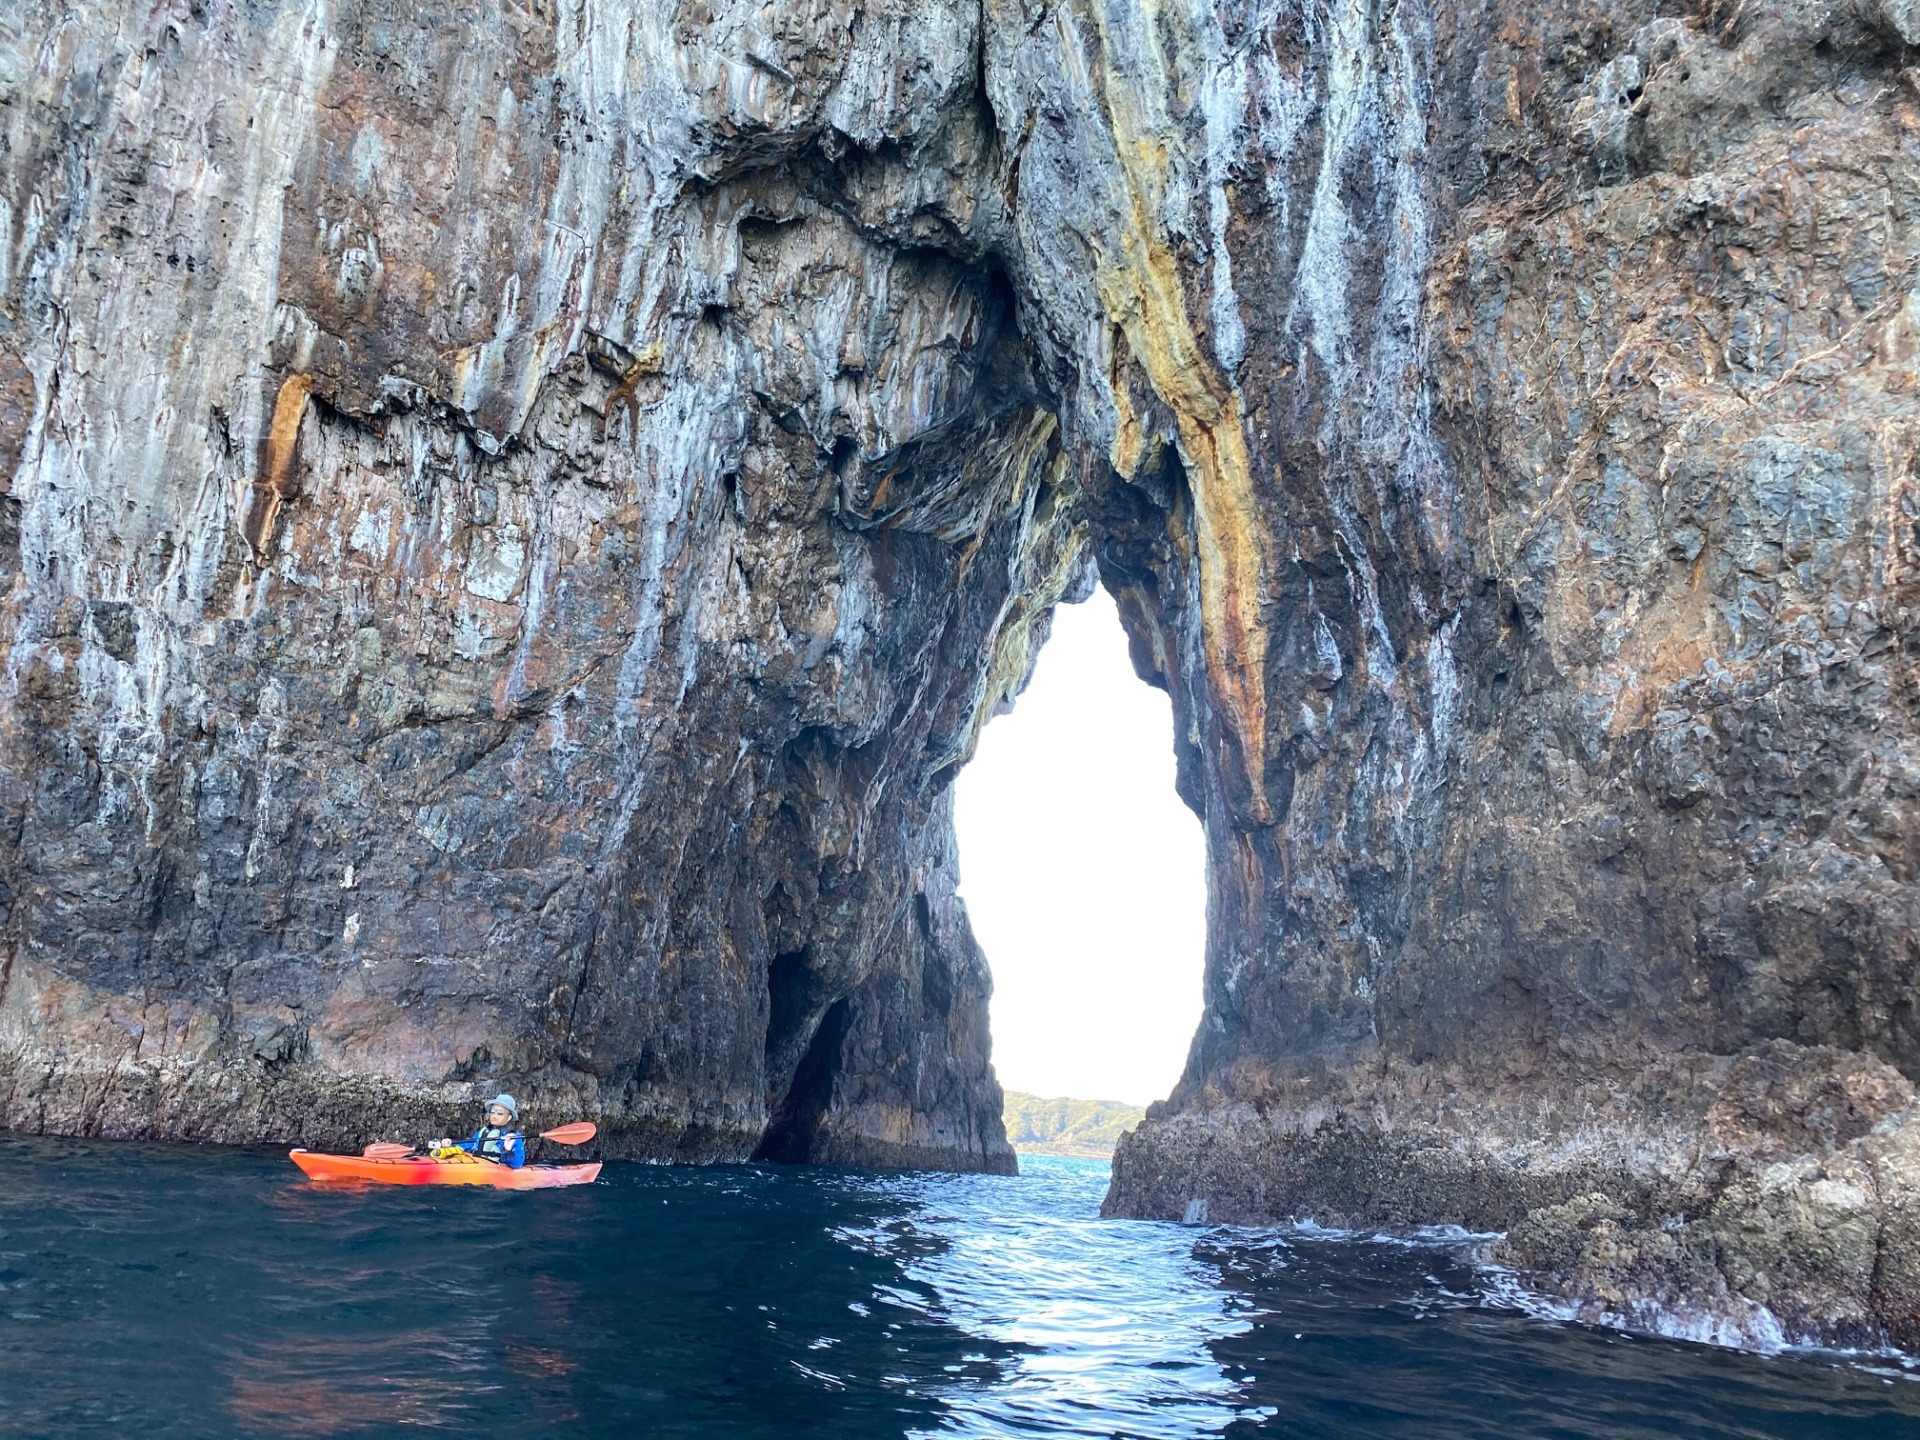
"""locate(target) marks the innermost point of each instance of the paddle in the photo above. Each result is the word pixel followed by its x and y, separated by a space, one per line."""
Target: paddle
pixel 577 1133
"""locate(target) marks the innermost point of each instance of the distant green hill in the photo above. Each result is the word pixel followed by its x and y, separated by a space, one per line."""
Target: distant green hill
pixel 1068 1127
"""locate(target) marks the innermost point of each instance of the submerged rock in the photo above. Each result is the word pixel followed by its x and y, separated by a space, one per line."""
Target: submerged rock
pixel 513 520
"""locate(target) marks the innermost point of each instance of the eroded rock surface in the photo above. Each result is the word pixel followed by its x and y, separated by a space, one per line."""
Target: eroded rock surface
pixel 1589 908
pixel 512 543
pixel 514 517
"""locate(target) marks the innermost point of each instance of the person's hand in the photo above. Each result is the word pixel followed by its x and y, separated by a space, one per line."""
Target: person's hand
pixel 440 1144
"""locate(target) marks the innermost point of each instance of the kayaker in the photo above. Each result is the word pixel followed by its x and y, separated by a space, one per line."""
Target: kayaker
pixel 496 1140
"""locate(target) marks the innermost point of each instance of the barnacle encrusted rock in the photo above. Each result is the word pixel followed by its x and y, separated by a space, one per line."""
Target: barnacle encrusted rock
pixel 513 517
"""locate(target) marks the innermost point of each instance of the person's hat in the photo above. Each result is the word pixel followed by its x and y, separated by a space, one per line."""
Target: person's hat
pixel 512 1105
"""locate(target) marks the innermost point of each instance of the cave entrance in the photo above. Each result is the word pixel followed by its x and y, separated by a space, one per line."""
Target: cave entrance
pixel 1085 874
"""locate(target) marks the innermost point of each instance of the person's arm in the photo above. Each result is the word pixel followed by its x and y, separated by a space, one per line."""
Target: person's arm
pixel 470 1144
pixel 516 1151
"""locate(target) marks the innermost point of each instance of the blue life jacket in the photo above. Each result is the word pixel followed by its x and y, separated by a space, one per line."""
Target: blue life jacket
pixel 490 1142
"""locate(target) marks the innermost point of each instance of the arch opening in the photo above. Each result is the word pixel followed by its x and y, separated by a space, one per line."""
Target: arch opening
pixel 1084 874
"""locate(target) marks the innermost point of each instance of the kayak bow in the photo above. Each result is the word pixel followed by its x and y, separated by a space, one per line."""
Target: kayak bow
pixel 423 1171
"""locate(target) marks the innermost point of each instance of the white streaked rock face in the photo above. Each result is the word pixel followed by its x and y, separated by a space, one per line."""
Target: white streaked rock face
pixel 512 518
pixel 454 635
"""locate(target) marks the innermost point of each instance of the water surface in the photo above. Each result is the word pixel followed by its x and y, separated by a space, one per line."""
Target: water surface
pixel 171 1291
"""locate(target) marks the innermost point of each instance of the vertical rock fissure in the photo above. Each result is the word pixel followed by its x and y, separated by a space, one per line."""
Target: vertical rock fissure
pixel 794 1124
pixel 789 1013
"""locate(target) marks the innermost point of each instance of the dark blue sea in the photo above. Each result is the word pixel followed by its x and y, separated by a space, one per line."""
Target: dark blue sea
pixel 172 1291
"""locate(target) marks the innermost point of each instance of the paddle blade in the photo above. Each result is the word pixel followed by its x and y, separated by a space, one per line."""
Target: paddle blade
pixel 387 1150
pixel 577 1133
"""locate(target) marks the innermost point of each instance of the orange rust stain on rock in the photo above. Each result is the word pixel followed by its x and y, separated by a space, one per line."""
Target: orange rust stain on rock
pixel 278 480
pixel 648 363
pixel 1141 289
pixel 1673 644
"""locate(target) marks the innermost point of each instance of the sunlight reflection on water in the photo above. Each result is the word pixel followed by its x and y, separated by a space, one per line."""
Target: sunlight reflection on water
pixel 212 1293
pixel 1119 1346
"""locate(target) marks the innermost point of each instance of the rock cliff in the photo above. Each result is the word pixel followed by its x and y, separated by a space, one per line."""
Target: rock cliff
pixel 516 516
pixel 1582 904
pixel 515 513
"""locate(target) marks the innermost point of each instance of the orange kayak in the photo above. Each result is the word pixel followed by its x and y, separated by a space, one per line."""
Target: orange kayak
pixel 424 1171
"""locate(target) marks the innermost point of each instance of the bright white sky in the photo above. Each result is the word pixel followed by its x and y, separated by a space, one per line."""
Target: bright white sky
pixel 1084 874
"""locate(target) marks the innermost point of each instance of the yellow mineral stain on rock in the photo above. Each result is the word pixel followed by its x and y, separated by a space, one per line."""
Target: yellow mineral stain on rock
pixel 1140 286
pixel 649 362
